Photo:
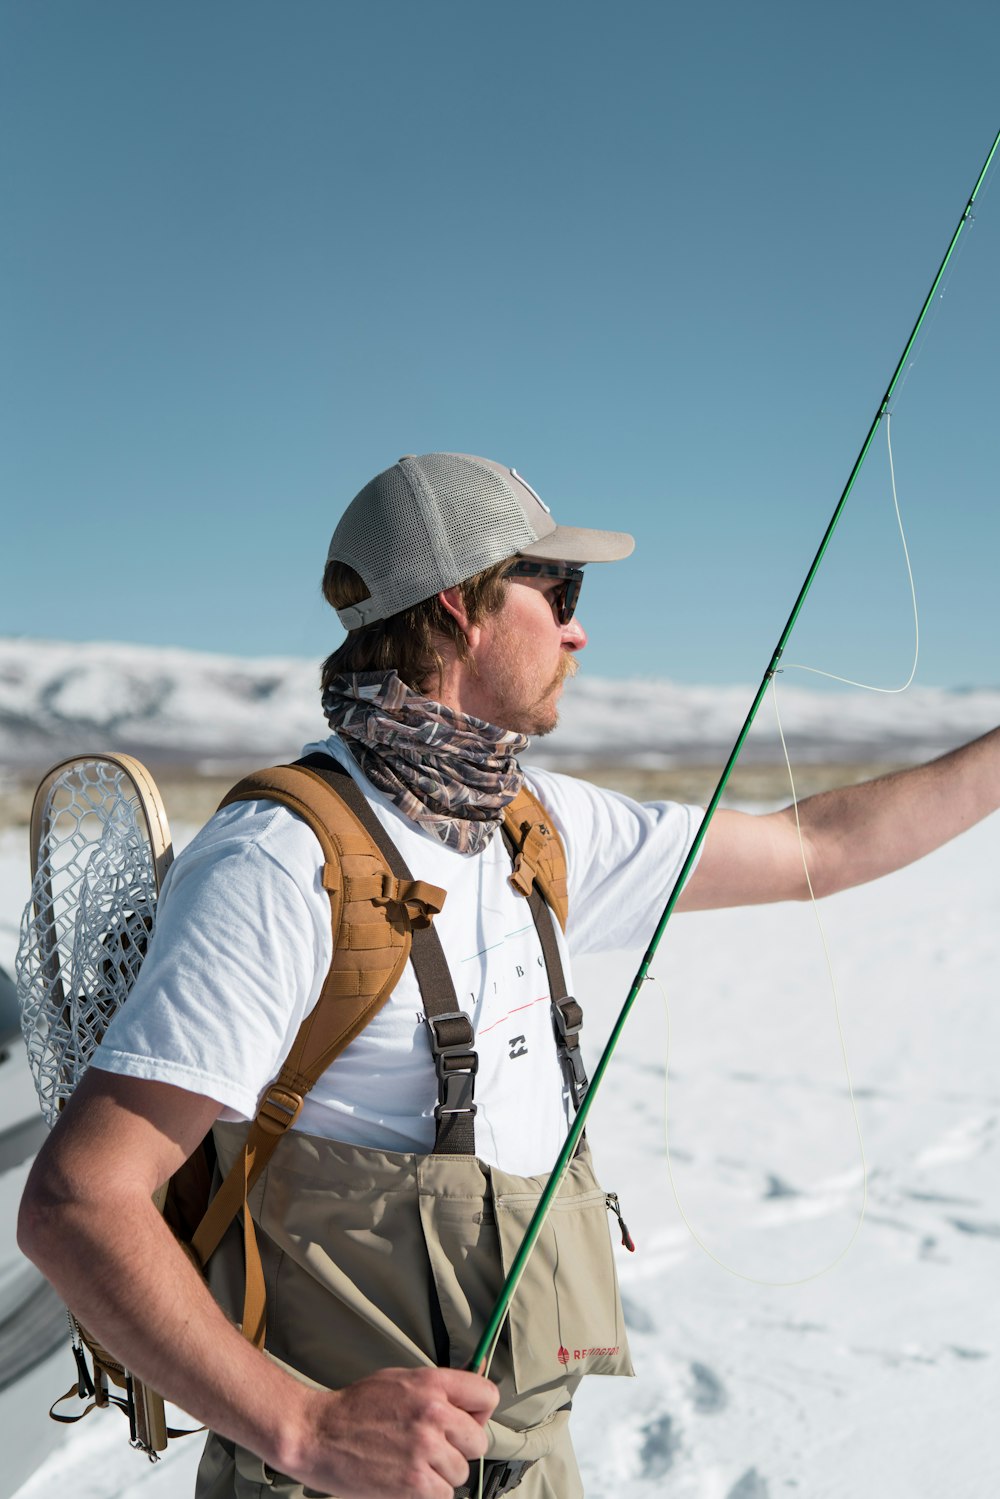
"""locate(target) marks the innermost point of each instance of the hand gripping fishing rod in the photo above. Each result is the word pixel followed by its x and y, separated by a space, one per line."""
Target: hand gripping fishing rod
pixel 534 1228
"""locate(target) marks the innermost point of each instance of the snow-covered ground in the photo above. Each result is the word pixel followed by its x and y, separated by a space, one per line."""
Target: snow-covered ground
pixel 878 1378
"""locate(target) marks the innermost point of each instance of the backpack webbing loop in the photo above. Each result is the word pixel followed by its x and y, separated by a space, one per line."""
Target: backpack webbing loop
pixel 537 852
pixel 411 903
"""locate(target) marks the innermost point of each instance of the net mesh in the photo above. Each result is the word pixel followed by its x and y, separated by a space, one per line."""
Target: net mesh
pixel 85 929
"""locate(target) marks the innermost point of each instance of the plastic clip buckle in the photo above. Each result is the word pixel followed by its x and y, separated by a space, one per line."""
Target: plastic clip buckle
pixel 568 1017
pixel 567 1020
pixel 455 1062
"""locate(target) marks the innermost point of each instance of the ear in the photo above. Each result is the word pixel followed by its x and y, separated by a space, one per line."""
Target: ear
pixel 453 600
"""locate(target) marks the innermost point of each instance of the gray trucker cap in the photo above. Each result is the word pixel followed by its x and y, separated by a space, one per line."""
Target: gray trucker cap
pixel 428 523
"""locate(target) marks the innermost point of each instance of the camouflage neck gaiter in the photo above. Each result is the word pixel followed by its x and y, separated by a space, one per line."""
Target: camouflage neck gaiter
pixel 450 773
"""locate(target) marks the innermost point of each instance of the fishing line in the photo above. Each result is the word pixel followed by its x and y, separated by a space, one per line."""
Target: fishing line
pixel 828 960
pixel 934 313
pixel 485 1371
pixel 578 1125
pixel 960 248
pixel 849 681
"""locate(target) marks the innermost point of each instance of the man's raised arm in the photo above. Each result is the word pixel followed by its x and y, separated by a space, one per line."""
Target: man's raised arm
pixel 88 1222
pixel 851 835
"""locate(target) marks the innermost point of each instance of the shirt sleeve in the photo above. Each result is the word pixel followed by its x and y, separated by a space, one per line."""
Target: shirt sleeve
pixel 622 858
pixel 241 945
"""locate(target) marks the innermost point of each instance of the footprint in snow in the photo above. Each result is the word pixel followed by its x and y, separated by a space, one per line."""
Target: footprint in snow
pixel 637 1319
pixel 708 1394
pixel 750 1486
pixel 660 1445
pixel 984 1230
pixel 778 1188
pixel 942 1198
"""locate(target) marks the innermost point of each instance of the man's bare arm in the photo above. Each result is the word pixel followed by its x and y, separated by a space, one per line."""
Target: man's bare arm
pixel 851 835
pixel 88 1222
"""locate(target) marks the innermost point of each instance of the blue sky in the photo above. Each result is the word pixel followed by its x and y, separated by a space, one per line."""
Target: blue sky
pixel 660 258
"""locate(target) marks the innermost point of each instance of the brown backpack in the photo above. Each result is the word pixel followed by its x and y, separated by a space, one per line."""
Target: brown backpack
pixel 380 917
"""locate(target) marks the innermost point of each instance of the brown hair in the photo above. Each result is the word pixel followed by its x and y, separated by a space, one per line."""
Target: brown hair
pixel 407 642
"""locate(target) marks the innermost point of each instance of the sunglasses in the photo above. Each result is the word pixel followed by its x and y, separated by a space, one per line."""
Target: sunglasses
pixel 566 596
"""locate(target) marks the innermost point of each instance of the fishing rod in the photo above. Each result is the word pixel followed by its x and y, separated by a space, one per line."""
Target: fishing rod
pixel 534 1228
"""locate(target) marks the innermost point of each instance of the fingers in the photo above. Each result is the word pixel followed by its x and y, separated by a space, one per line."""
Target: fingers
pixel 470 1392
pixel 466 1434
pixel 443 1460
pixel 470 1401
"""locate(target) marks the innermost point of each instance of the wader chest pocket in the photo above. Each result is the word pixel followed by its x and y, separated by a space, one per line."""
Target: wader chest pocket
pixel 566 1316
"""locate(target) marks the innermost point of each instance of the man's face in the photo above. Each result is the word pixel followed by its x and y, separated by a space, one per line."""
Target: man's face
pixel 522 658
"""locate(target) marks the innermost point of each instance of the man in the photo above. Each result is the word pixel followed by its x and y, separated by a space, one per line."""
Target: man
pixel 458 590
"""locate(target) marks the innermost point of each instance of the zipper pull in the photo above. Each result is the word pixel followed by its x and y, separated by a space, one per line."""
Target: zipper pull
pixel 611 1198
pixel 84 1383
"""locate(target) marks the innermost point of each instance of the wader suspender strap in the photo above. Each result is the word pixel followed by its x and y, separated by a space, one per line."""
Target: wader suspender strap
pixel 529 842
pixel 567 1014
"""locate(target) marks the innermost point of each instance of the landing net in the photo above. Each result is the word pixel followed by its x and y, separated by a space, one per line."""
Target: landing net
pixel 86 927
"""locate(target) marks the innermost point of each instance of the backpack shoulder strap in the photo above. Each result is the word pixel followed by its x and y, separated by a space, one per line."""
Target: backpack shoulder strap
pixel 373 914
pixel 539 856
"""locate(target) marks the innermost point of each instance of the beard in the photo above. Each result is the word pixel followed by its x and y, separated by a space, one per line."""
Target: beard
pixel 568 667
pixel 539 716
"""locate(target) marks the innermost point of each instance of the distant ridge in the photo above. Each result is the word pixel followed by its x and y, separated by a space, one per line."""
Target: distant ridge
pixel 181 707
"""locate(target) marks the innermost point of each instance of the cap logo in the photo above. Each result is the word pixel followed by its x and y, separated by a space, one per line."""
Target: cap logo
pixel 531 491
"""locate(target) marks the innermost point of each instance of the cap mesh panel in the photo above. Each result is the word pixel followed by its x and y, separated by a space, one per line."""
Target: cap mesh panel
pixel 426 524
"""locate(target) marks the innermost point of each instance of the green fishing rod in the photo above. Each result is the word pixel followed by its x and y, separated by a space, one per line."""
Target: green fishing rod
pixel 572 1140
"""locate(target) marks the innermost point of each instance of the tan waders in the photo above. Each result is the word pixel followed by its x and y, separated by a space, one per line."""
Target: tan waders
pixel 400 1264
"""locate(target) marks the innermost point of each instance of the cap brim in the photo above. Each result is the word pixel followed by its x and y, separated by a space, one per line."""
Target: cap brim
pixel 575 544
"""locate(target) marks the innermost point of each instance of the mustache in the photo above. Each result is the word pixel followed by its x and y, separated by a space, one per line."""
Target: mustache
pixel 568 666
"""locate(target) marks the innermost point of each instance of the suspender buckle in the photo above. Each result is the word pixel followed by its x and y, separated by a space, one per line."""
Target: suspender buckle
pixel 568 1017
pixel 456 1063
pixel 567 1021
pixel 451 1035
pixel 580 1078
pixel 455 1094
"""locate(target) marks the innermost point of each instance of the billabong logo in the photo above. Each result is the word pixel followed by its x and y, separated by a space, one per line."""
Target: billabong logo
pixel 563 1355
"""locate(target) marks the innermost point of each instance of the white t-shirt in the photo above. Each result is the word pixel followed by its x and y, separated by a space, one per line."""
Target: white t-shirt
pixel 243 942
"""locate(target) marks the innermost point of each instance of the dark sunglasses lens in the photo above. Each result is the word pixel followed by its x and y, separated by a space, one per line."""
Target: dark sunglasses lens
pixel 564 597
pixel 567 598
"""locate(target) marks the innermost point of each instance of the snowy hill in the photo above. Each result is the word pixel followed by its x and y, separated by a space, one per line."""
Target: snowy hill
pixel 181 707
